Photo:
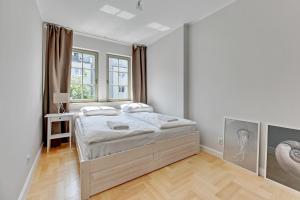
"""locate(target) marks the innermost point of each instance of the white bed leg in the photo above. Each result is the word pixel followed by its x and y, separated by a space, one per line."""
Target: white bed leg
pixel 85 180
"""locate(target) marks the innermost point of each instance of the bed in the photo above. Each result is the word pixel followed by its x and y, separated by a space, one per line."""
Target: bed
pixel 105 164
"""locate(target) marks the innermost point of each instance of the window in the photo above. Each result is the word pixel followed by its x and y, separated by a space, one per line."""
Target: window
pixel 118 78
pixel 84 76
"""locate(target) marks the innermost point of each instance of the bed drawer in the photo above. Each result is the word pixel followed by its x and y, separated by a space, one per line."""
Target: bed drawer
pixel 118 159
pixel 106 172
pixel 175 142
pixel 105 179
pixel 172 155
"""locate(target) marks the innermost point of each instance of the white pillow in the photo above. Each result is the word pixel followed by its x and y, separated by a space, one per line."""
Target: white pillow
pixel 102 110
pixel 136 107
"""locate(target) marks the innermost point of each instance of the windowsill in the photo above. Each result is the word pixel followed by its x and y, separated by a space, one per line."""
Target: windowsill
pixel 76 106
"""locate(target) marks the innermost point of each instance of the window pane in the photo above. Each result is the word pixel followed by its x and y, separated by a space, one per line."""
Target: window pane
pixel 76 60
pixel 88 61
pixel 83 75
pixel 76 75
pixel 89 76
pixel 77 65
pixel 123 79
pixel 118 77
pixel 76 57
pixel 114 92
pixel 113 78
pixel 89 91
pixel 123 67
pixel 88 65
pixel 118 92
pixel 113 64
pixel 76 91
pixel 123 92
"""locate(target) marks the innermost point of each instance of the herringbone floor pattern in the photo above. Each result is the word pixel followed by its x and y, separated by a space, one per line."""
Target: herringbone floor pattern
pixel 200 177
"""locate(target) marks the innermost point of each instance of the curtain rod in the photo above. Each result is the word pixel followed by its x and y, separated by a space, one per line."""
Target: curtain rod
pixel 139 45
pixel 101 37
pixel 46 23
pixel 95 36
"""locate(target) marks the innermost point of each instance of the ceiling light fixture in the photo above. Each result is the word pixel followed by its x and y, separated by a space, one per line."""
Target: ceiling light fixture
pixel 110 9
pixel 158 26
pixel 139 5
pixel 126 15
pixel 154 25
pixel 164 28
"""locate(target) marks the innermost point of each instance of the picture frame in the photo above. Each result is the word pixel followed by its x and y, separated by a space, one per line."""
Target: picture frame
pixel 239 143
pixel 276 172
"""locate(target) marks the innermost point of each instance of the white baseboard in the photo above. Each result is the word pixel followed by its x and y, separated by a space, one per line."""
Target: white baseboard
pixel 211 151
pixel 261 170
pixel 27 183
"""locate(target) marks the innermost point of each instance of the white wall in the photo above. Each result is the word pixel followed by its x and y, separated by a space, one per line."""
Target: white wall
pixel 21 92
pixel 165 73
pixel 102 47
pixel 245 63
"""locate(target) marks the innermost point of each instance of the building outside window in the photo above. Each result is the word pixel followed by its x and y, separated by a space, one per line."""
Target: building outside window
pixel 119 77
pixel 84 76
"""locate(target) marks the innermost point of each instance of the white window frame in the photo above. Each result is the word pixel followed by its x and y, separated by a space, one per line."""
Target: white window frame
pixel 109 55
pixel 84 51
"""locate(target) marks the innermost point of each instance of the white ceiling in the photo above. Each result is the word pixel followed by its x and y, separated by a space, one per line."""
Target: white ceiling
pixel 84 16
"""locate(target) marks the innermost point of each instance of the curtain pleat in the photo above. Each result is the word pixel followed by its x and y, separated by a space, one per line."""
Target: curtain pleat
pixel 58 58
pixel 139 73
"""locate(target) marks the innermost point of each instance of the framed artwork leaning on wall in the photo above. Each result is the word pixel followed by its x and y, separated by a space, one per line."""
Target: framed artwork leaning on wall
pixel 283 156
pixel 241 143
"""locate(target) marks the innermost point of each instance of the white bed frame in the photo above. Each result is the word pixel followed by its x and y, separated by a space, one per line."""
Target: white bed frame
pixel 108 171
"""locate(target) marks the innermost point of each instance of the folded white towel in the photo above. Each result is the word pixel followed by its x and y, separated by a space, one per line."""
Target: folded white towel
pixel 117 125
pixel 153 118
pixel 166 118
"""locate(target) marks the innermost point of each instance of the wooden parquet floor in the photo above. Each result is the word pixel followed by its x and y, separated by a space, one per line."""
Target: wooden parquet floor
pixel 200 177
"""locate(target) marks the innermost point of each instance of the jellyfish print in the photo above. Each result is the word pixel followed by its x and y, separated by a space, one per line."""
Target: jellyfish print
pixel 242 140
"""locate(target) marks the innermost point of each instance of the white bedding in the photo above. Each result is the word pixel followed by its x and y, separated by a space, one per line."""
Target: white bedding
pixel 102 110
pixel 155 119
pixel 97 149
pixel 95 128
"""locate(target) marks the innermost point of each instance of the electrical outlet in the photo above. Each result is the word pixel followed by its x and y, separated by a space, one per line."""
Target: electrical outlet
pixel 28 157
pixel 220 140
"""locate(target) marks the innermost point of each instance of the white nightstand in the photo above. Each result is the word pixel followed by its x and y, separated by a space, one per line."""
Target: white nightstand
pixel 58 117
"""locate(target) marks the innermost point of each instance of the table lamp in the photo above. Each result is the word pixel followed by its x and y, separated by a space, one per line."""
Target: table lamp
pixel 60 99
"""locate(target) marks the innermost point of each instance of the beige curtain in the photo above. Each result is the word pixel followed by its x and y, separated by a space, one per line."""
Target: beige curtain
pixel 139 73
pixel 59 42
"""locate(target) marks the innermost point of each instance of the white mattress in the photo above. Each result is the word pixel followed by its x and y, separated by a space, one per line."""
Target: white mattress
pixel 98 149
pixel 95 150
pixel 95 128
